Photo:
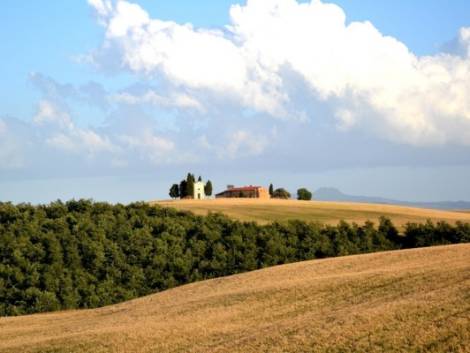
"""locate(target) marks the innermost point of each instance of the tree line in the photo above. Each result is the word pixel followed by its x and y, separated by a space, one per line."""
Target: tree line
pixel 85 254
pixel 281 193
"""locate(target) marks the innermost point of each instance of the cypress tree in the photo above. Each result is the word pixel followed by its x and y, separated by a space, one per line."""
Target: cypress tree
pixel 208 188
pixel 190 185
pixel 183 189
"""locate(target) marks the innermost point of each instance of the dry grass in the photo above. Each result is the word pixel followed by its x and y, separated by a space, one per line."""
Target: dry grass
pixel 265 211
pixel 403 301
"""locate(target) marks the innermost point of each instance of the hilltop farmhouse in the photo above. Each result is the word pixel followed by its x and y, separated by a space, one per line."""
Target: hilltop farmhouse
pixel 254 192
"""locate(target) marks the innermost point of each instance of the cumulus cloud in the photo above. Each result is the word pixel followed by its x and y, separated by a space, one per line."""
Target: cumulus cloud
pixel 460 45
pixel 157 149
pixel 81 141
pixel 370 82
pixel 66 135
pixel 49 113
pixel 52 136
pixel 150 97
pixel 280 85
pixel 102 7
pixel 464 40
pixel 243 140
pixel 91 93
pixel 236 144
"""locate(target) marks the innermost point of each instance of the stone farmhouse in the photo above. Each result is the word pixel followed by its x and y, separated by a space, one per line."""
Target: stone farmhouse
pixel 254 192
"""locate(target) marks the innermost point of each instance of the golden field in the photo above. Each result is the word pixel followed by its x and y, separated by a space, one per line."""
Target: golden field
pixel 265 211
pixel 403 301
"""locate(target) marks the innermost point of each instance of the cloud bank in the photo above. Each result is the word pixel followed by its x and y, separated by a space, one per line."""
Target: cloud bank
pixel 270 48
pixel 283 85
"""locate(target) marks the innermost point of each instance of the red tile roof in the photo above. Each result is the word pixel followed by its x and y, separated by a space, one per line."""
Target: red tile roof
pixel 242 188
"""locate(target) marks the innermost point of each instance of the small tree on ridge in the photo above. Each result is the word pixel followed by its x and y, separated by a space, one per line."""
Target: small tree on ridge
pixel 281 193
pixel 304 194
pixel 175 191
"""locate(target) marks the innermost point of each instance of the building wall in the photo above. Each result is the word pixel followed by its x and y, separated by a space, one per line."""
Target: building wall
pixel 263 193
pixel 259 193
pixel 199 191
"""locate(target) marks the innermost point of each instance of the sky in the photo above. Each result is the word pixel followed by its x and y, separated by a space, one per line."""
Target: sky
pixel 117 100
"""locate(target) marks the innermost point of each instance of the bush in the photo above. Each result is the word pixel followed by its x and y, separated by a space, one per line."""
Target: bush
pixel 281 194
pixel 304 194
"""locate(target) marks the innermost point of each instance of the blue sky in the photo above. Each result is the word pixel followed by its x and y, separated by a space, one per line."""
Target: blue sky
pixel 84 114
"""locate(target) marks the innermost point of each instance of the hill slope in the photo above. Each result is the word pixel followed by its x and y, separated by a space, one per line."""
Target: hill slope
pixel 411 300
pixel 325 212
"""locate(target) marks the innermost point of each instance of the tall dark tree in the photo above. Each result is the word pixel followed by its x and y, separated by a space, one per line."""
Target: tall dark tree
pixel 175 191
pixel 190 185
pixel 304 194
pixel 183 189
pixel 199 179
pixel 271 190
pixel 208 188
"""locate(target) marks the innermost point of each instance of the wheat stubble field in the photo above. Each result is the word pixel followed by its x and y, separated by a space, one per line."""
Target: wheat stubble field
pixel 265 211
pixel 412 300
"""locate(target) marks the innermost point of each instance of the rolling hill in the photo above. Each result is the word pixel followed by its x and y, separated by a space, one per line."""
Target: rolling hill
pixel 402 301
pixel 265 211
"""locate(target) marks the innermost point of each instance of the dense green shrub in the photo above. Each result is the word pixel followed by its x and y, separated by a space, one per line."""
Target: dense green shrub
pixel 84 254
pixel 304 194
pixel 281 193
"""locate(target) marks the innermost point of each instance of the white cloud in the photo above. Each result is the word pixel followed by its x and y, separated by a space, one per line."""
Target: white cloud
pixel 464 40
pixel 179 100
pixel 62 142
pixel 49 113
pixel 94 142
pixel 81 141
pixel 155 148
pixel 102 7
pixel 346 119
pixel 194 58
pixel 126 18
pixel 243 142
pixel 65 135
pixel 386 88
pixel 52 135
pixel 237 143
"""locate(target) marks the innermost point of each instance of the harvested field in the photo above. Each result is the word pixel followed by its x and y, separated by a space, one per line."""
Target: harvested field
pixel 265 211
pixel 403 301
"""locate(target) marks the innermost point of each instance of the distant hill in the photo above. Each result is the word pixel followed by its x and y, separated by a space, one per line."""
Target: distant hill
pixel 333 194
pixel 400 301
